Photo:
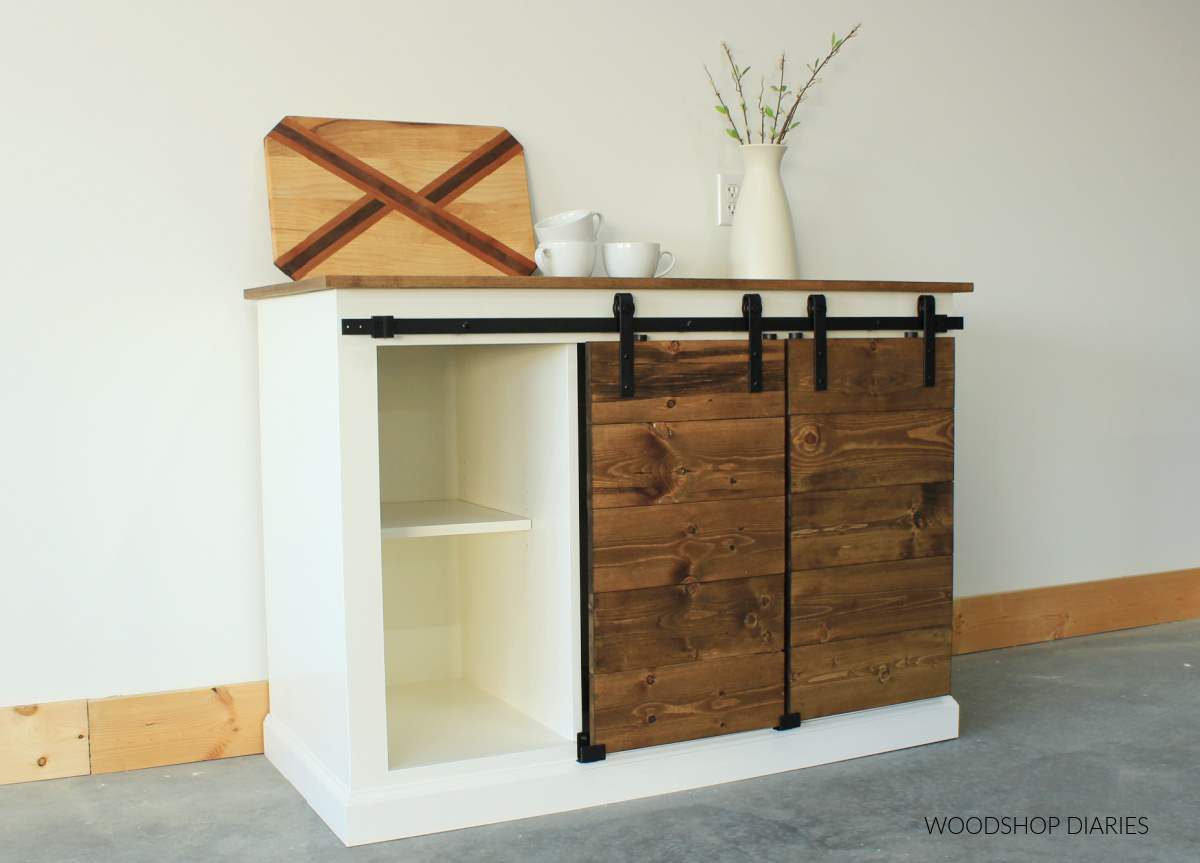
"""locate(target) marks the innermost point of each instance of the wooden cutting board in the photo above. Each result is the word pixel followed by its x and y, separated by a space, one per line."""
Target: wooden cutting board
pixel 366 197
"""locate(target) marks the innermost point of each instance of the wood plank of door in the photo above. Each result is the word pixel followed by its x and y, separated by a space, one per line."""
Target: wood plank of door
pixel 844 602
pixel 636 546
pixel 685 380
pixel 855 450
pixel 870 375
pixel 687 623
pixel 650 706
pixel 865 525
pixel 639 464
pixel 860 673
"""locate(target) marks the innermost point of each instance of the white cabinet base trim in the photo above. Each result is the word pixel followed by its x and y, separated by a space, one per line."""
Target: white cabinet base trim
pixel 433 804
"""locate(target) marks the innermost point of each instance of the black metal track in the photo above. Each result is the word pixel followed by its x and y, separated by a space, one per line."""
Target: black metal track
pixel 630 328
pixel 388 327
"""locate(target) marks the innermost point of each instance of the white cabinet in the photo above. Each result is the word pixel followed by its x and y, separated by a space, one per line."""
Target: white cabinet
pixel 421 515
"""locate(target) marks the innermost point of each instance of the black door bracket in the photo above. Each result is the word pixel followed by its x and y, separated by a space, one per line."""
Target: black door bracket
pixel 752 312
pixel 623 309
pixel 817 312
pixel 927 312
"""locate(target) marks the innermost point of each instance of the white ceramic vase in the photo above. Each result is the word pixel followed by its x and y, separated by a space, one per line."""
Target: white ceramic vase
pixel 763 243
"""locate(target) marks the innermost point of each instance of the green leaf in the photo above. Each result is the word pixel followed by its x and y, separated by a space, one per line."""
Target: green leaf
pixel 838 44
pixel 732 134
pixel 722 109
pixel 747 69
pixel 769 112
pixel 794 125
pixel 833 39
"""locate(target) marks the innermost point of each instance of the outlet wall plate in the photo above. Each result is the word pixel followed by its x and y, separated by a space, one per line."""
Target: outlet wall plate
pixel 729 186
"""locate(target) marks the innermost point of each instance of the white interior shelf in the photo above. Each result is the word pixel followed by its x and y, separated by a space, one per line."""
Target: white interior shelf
pixel 445 518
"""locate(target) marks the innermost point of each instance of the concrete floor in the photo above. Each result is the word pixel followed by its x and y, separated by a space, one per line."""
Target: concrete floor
pixel 1107 725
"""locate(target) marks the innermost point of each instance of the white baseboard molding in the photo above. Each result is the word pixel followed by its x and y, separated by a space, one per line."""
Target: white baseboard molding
pixel 559 784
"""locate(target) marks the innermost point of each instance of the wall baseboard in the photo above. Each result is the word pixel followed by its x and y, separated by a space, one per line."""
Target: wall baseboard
pixel 1064 611
pixel 43 741
pixel 177 727
pixel 75 738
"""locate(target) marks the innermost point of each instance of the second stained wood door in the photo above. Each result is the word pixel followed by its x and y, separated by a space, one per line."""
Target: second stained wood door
pixel 871 469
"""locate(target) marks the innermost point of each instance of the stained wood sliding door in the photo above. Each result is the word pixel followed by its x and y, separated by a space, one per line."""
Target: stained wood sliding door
pixel 871 479
pixel 751 555
pixel 686 484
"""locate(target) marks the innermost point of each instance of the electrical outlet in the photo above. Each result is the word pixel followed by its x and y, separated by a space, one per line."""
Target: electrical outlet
pixel 729 186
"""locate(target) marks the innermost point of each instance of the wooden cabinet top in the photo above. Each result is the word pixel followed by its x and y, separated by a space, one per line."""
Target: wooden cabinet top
pixel 326 283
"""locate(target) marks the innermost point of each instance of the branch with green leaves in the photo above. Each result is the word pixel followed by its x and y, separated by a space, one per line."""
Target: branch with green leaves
pixel 782 116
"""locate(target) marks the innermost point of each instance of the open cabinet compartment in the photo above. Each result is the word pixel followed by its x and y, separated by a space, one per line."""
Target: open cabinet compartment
pixel 479 548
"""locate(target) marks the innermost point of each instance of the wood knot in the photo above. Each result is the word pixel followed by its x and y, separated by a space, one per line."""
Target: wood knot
pixel 733 548
pixel 26 710
pixel 675 347
pixel 885 672
pixel 649 679
pixel 691 528
pixel 41 762
pixel 751 619
pixel 768 637
pixel 670 403
pixel 652 719
pixel 764 601
pixel 733 480
pixel 873 344
pixel 810 439
pixel 691 588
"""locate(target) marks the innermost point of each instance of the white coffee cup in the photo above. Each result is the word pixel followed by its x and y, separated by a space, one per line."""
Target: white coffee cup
pixel 575 226
pixel 566 260
pixel 634 260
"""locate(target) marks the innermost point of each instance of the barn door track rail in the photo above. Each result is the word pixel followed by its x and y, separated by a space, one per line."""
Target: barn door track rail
pixel 927 323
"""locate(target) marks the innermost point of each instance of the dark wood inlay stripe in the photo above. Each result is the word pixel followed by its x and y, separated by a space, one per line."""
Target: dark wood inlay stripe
pixel 432 216
pixel 332 236
pixel 472 169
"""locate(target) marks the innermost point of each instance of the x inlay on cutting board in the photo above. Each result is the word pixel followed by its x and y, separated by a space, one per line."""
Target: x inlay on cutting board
pixel 369 197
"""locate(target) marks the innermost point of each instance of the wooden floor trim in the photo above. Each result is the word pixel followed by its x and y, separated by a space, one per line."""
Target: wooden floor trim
pixel 1048 613
pixel 75 738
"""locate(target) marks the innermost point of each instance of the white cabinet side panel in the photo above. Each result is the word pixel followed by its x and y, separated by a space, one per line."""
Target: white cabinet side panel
pixel 302 524
pixel 358 407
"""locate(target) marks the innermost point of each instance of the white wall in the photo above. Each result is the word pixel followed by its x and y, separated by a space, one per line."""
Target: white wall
pixel 1044 150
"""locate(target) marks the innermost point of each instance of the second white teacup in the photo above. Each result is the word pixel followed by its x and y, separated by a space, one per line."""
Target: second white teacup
pixel 566 260
pixel 574 226
pixel 634 260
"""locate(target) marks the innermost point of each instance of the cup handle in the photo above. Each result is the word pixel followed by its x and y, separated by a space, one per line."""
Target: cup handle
pixel 598 226
pixel 669 266
pixel 542 259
